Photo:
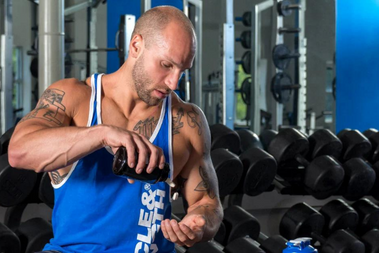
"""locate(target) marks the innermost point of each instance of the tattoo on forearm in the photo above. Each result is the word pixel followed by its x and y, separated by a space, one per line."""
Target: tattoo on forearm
pixel 205 184
pixel 193 120
pixel 57 178
pixel 146 127
pixel 48 107
pixel 176 122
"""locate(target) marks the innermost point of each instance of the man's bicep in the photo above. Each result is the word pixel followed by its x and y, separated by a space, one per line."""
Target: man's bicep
pixel 50 108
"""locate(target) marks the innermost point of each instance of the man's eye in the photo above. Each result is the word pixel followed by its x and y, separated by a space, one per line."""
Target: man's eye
pixel 166 66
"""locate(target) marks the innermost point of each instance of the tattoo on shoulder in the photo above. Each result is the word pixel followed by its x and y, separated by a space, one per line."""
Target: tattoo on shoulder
pixel 194 121
pixel 176 122
pixel 48 107
pixel 57 178
pixel 146 127
pixel 205 184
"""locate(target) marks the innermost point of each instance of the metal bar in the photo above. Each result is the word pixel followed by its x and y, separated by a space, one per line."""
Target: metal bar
pixel 302 99
pixel 130 22
pixel 193 89
pixel 256 56
pixel 228 69
pixel 93 66
pixel 72 9
pixel 7 119
pixel 51 41
pixel 147 5
pixel 90 50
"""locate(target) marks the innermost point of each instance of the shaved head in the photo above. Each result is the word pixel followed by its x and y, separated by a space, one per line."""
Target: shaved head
pixel 152 23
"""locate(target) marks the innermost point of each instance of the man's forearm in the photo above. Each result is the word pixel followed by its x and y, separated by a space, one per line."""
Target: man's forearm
pixel 53 148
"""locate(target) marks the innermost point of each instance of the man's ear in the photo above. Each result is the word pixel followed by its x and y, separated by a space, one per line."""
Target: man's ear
pixel 136 46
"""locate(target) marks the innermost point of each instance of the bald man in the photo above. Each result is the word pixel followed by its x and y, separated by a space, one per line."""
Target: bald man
pixel 77 126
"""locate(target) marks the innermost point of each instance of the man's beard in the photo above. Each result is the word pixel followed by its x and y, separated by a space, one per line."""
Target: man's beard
pixel 141 81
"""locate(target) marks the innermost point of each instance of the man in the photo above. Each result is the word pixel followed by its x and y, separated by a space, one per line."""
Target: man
pixel 76 125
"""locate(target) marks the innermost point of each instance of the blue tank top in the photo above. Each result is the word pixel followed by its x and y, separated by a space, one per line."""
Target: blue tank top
pixel 97 211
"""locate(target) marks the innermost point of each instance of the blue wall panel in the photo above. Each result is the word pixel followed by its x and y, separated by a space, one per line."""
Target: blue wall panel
pixel 357 64
pixel 116 8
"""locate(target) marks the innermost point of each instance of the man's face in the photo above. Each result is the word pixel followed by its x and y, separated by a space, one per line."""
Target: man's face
pixel 158 69
pixel 143 82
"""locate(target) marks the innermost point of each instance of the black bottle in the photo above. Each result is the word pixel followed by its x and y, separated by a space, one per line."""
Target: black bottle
pixel 121 168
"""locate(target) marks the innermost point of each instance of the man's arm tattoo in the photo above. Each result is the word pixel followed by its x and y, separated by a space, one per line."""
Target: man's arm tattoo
pixel 194 121
pixel 48 107
pixel 57 178
pixel 146 127
pixel 176 122
pixel 205 184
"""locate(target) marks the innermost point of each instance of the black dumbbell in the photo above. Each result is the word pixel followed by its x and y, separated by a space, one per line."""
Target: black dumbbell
pixel 340 215
pixel 266 137
pixel 282 55
pixel 9 242
pixel 359 176
pixel 373 136
pixel 371 241
pixel 302 220
pixel 324 142
pixel 355 144
pixel 368 215
pixel 16 184
pixel 259 167
pixel 321 177
pixel 224 137
pixel 228 169
pixel 4 140
pixel 285 8
pixel 241 224
pixel 34 234
pixel 375 189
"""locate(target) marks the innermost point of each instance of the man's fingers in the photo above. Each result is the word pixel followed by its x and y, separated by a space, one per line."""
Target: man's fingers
pixel 170 232
pixel 186 230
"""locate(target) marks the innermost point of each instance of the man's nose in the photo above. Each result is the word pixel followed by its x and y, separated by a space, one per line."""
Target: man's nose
pixel 172 80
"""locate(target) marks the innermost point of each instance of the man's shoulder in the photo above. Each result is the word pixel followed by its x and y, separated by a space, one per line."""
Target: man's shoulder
pixel 72 86
pixel 179 105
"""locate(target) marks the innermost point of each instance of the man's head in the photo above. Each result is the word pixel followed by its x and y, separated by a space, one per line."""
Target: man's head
pixel 163 45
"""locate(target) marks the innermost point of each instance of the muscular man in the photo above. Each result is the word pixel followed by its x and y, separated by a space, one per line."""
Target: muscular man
pixel 77 126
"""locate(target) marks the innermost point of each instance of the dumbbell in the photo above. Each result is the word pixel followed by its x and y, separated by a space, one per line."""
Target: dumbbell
pixel 302 220
pixel 321 177
pixel 4 140
pixel 259 167
pixel 368 215
pixel 358 174
pixel 266 137
pixel 225 145
pixel 375 189
pixel 340 215
pixel 16 184
pixel 355 144
pixel 373 136
pixel 241 224
pixel 9 242
pixel 34 234
pixel 285 8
